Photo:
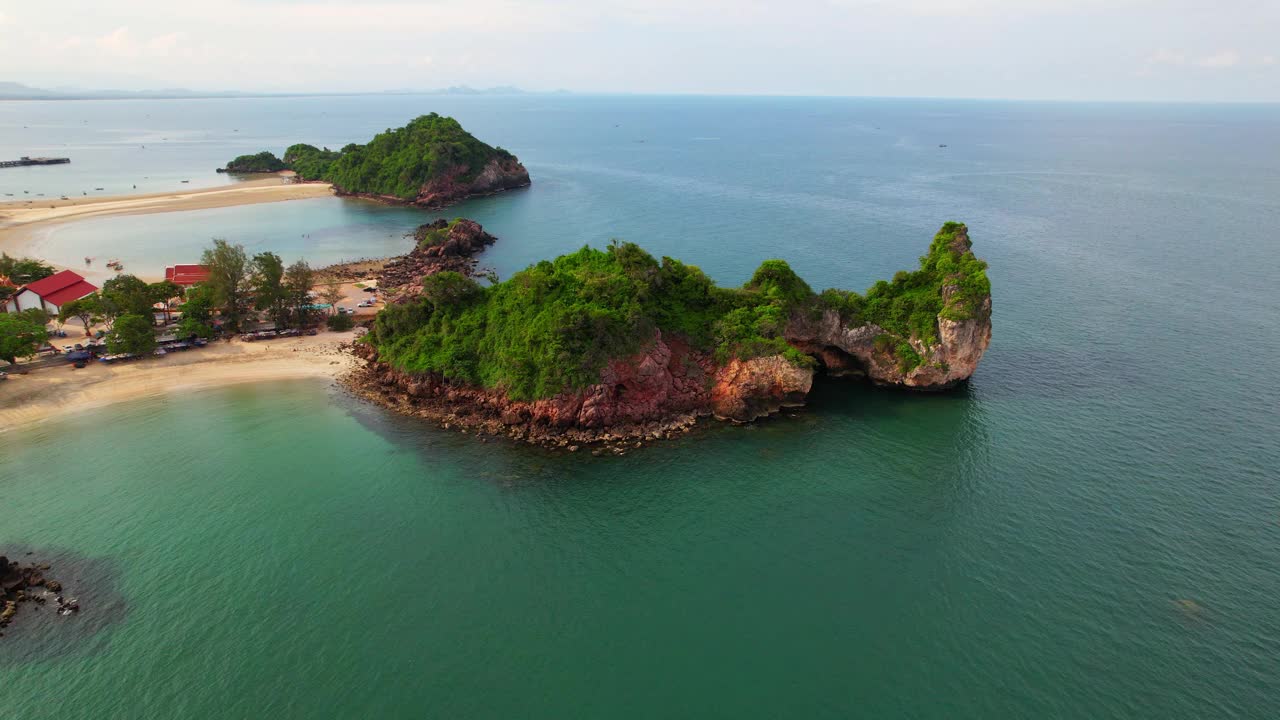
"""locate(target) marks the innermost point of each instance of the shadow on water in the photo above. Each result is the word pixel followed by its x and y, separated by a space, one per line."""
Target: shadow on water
pixel 38 633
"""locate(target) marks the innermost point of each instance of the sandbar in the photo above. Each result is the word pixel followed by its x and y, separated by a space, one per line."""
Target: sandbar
pixel 60 391
pixel 18 219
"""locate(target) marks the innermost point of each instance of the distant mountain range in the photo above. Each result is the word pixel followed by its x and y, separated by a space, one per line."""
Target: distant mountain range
pixel 18 91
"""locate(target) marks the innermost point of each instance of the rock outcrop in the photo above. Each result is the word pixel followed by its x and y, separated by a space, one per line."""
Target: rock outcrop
pixel 664 388
pixel 498 174
pixel 27 584
pixel 440 246
pixel 963 334
pixel 749 389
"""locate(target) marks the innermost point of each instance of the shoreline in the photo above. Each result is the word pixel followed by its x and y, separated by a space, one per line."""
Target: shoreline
pixel 21 220
pixel 471 418
pixel 55 393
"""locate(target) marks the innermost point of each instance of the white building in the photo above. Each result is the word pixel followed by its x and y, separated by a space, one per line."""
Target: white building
pixel 50 293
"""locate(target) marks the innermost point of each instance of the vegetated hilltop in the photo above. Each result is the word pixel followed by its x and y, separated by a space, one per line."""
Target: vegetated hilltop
pixel 430 162
pixel 614 343
pixel 263 162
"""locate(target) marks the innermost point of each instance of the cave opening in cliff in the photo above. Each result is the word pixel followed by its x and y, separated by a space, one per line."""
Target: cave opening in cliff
pixel 834 362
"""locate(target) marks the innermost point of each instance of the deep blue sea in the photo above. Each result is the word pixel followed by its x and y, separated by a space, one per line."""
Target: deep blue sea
pixel 1089 529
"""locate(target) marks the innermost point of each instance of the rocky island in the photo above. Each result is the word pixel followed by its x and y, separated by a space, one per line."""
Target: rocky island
pixel 27 584
pixel 431 162
pixel 613 344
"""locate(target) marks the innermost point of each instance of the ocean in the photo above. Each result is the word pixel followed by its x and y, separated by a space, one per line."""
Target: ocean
pixel 1089 528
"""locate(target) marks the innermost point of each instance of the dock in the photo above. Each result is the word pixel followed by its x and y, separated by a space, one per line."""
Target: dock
pixel 24 161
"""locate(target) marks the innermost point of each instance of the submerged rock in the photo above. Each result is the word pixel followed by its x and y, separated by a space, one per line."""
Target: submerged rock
pixel 19 584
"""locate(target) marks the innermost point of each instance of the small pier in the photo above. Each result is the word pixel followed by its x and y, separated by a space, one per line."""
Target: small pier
pixel 24 161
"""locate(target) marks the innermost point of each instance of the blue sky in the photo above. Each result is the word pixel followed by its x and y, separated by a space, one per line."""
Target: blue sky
pixel 1224 50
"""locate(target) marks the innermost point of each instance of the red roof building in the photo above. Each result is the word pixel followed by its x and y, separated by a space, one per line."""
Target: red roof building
pixel 186 275
pixel 51 293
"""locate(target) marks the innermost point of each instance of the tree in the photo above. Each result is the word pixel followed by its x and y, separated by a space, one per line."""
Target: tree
pixel 340 323
pixel 332 295
pixel 268 286
pixel 197 312
pixel 22 271
pixel 21 334
pixel 298 279
pixel 129 296
pixel 163 292
pixel 86 310
pixel 228 279
pixel 132 335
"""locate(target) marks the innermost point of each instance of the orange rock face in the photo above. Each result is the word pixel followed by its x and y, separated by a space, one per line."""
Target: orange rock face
pixel 748 389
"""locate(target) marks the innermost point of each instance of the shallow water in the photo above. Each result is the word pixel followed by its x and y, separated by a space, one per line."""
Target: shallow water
pixel 1088 529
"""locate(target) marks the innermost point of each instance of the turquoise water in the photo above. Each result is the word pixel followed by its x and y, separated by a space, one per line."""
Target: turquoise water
pixel 1090 528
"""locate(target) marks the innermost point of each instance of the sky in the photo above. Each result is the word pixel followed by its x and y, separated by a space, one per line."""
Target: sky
pixel 1145 50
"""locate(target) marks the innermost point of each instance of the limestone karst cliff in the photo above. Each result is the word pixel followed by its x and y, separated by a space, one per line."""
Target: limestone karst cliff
pixel 614 343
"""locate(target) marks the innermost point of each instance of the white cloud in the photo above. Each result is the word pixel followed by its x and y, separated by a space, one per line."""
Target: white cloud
pixel 117 42
pixel 1220 60
pixel 1167 57
pixel 976 48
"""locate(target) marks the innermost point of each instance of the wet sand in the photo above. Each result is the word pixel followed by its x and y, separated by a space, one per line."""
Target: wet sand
pixel 19 220
pixel 59 391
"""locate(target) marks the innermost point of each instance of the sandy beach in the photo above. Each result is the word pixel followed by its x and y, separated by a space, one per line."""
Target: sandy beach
pixel 56 392
pixel 18 219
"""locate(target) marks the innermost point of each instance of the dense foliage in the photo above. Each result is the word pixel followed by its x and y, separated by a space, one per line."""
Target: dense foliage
pixel 197 312
pixel 396 163
pixel 22 333
pixel 909 306
pixel 23 271
pixel 229 281
pixel 131 334
pixel 340 322
pixel 263 162
pixel 310 162
pixel 556 324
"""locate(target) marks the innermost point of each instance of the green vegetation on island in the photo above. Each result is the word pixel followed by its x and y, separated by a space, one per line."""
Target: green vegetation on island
pixel 910 305
pixel 555 325
pixel 263 162
pixel 399 163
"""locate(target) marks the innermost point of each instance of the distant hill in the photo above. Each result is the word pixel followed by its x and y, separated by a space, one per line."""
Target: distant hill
pixel 17 91
pixel 14 91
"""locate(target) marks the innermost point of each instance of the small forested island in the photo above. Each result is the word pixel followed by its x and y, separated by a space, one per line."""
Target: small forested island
pixel 263 162
pixel 431 162
pixel 614 344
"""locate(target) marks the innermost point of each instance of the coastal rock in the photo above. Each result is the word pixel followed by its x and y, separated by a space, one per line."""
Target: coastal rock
pixel 440 245
pixel 749 389
pixel 497 175
pixel 15 583
pixel 663 388
pixel 963 334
